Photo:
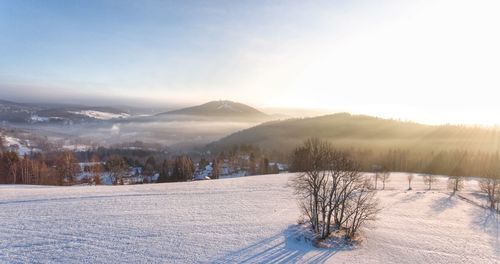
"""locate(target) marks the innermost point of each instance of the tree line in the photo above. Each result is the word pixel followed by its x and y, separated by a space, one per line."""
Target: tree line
pixel 63 168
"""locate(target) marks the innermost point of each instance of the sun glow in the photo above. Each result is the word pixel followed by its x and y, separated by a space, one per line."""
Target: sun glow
pixel 434 62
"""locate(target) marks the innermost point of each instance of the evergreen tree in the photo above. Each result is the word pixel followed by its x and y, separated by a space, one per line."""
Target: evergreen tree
pixel 215 169
pixel 183 169
pixel 149 168
pixel 264 166
pixel 203 164
pixel 275 169
pixel 165 172
pixel 95 170
pixel 252 166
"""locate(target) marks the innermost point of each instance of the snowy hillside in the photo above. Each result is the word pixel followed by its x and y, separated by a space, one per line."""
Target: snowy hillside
pixel 240 220
pixel 100 115
pixel 21 147
pixel 21 113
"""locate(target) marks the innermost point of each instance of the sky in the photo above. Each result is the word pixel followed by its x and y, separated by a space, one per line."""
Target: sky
pixel 431 61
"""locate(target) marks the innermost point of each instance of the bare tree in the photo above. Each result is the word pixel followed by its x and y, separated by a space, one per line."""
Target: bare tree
pixel 410 177
pixel 385 177
pixel 376 169
pixel 429 179
pixel 364 208
pixel 456 183
pixel 95 170
pixel 376 176
pixel 456 179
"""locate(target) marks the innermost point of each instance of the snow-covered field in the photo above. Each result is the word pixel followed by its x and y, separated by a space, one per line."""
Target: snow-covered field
pixel 239 220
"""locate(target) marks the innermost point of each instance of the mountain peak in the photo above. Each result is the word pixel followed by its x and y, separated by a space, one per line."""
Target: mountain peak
pixel 221 108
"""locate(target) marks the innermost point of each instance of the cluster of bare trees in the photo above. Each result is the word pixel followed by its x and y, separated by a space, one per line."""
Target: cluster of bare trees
pixel 38 169
pixel 429 179
pixel 58 169
pixel 9 164
pixel 64 168
pixel 181 168
pixel 117 169
pixel 67 168
pixel 455 183
pixel 249 158
pixel 382 174
pixel 332 192
pixel 33 171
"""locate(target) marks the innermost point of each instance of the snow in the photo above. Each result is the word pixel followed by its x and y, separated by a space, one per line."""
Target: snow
pixel 227 106
pixel 235 174
pixel 100 115
pixel 20 147
pixel 76 147
pixel 36 118
pixel 239 220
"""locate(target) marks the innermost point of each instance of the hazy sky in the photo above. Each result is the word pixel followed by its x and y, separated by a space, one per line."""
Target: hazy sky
pixel 429 60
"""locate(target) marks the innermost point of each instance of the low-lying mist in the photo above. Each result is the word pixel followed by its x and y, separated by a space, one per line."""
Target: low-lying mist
pixel 168 133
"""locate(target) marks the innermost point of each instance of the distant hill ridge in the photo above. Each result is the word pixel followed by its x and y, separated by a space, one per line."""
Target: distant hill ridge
pixel 361 131
pixel 32 112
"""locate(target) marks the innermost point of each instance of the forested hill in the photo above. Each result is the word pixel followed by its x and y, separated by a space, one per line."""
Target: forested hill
pixel 364 132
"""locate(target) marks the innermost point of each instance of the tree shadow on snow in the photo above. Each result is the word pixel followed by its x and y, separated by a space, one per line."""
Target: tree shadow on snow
pixel 289 246
pixel 444 203
pixel 480 197
pixel 412 196
pixel 488 221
